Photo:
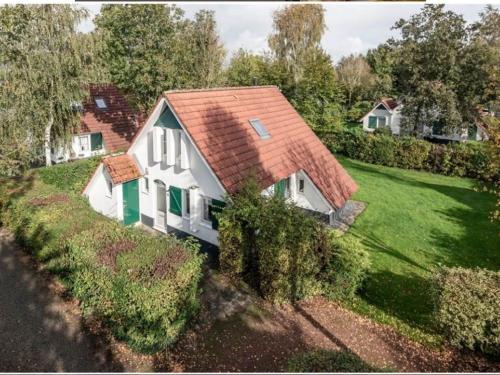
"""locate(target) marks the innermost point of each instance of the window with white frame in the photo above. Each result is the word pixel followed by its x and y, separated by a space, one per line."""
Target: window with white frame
pixel 382 121
pixel 177 138
pixel 164 145
pixel 287 192
pixel 109 188
pixel 145 185
pixel 301 183
pixel 84 143
pixel 205 210
pixel 187 203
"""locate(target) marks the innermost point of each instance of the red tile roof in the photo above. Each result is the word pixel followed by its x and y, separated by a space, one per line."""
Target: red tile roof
pixel 121 168
pixel 389 103
pixel 118 123
pixel 218 122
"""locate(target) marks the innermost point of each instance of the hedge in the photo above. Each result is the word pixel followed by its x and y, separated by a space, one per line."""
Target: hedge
pixel 284 253
pixel 144 287
pixel 467 308
pixel 468 159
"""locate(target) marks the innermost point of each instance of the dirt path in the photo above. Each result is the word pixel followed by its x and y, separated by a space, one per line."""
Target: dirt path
pixel 39 331
pixel 264 338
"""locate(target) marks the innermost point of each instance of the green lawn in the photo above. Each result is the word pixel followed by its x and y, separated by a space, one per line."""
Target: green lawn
pixel 415 221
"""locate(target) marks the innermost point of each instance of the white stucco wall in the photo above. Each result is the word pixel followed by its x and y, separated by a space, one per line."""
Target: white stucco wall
pixel 393 119
pixel 310 198
pixel 110 206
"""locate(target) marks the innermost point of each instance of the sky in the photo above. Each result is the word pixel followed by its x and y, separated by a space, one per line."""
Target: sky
pixel 353 27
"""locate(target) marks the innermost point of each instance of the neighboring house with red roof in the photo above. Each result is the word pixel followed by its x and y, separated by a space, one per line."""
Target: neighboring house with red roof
pixel 199 145
pixel 107 125
pixel 387 113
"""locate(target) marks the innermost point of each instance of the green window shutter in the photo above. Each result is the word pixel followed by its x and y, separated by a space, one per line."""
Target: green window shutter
pixel 279 188
pixel 372 122
pixel 175 200
pixel 95 141
pixel 216 207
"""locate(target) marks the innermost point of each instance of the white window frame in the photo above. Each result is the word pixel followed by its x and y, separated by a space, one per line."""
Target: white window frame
pixel 299 180
pixel 145 185
pixel 378 121
pixel 87 142
pixel 109 188
pixel 203 221
pixel 186 209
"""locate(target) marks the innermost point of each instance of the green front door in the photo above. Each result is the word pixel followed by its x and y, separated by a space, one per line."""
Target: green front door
pixel 130 202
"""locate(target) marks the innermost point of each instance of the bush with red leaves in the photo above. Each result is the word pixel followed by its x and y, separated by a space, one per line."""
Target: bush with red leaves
pixel 108 254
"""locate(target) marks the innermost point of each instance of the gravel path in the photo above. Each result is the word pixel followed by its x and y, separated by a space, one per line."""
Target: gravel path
pixel 39 331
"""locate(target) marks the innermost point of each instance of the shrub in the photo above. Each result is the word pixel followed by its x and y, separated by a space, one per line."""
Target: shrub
pixel 467 308
pixel 150 290
pixel 70 176
pixel 144 287
pixel 320 360
pixel 346 268
pixel 283 252
pixel 383 149
pixel 469 159
pixel 412 153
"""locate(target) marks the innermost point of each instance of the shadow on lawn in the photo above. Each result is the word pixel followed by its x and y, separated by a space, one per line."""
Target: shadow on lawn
pixel 469 241
pixel 406 297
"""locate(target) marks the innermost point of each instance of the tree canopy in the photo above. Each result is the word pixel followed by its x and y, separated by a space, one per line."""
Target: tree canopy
pixel 43 75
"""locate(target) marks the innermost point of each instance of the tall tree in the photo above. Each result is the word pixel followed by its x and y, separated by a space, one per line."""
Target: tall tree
pixel 486 38
pixel 202 45
pixel 42 75
pixel 433 62
pixel 356 77
pixel 140 47
pixel 247 69
pixel 318 96
pixel 381 61
pixel 297 30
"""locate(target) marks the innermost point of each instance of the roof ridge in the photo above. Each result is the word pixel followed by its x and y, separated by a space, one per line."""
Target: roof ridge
pixel 223 88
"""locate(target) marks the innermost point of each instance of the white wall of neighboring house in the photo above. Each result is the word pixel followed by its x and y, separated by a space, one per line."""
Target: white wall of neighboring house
pixel 392 119
pixel 190 173
pixel 79 147
pixel 104 200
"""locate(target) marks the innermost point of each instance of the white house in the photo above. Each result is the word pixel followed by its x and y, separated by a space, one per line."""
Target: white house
pixel 387 113
pixel 199 145
pixel 107 125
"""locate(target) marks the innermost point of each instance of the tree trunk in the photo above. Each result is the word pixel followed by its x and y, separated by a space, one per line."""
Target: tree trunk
pixel 46 142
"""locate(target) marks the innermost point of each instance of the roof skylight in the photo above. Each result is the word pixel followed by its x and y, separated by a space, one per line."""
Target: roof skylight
pixel 260 128
pixel 100 103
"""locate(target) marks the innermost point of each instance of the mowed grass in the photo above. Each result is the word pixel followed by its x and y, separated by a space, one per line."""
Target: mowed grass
pixel 414 222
